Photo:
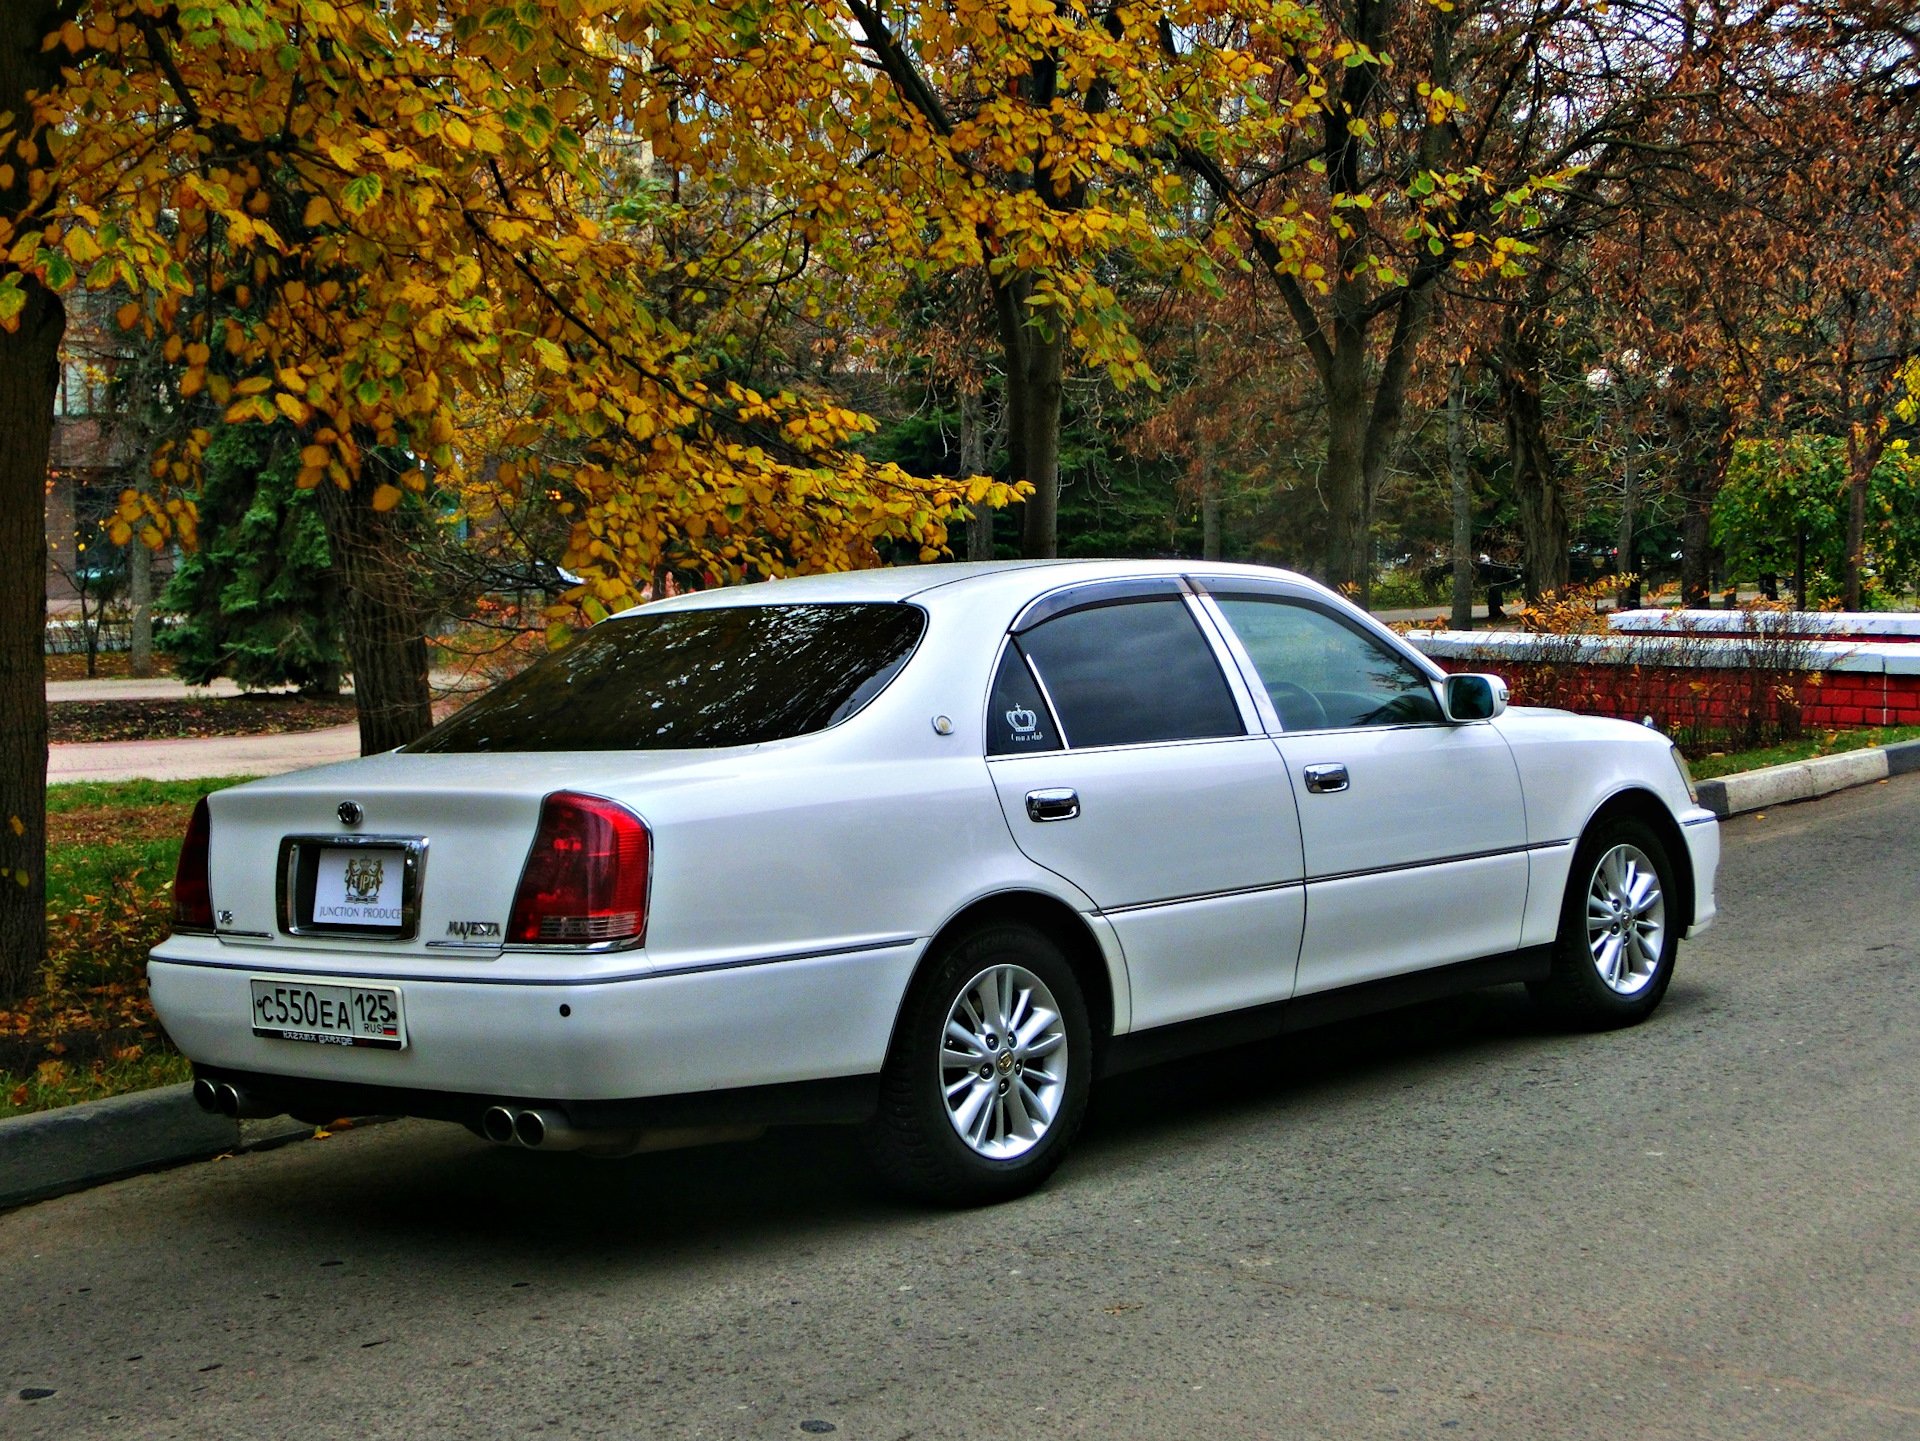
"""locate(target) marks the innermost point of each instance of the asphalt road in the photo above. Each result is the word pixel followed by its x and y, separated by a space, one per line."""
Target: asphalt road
pixel 1450 1224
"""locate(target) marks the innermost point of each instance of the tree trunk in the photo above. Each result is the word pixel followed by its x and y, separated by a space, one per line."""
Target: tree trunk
pixel 1343 480
pixel 1536 488
pixel 1034 364
pixel 1462 500
pixel 1863 454
pixel 1696 549
pixel 385 620
pixel 1629 496
pixel 1699 469
pixel 1040 518
pixel 29 378
pixel 140 595
pixel 973 461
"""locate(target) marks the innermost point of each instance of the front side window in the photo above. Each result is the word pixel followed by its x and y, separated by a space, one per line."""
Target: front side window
pixel 730 676
pixel 1322 674
pixel 1130 673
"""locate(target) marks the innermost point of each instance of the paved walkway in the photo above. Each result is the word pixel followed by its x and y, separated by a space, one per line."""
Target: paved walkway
pixel 194 759
pixel 179 760
pixel 159 687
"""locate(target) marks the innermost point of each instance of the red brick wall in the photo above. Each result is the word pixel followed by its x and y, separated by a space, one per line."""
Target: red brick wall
pixel 1723 700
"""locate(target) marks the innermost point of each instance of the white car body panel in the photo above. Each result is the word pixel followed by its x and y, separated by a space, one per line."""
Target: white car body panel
pixel 1191 849
pixel 797 886
pixel 1421 861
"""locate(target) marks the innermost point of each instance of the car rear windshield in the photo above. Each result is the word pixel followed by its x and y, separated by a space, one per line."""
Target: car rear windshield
pixel 731 676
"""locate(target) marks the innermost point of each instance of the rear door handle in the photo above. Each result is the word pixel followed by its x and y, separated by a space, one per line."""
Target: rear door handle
pixel 1323 780
pixel 1054 805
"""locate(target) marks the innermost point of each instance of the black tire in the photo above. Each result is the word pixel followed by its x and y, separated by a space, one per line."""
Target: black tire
pixel 1610 864
pixel 915 1140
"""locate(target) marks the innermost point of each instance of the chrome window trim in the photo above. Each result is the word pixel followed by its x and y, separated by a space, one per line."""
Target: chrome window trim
pixel 1285 594
pixel 1097 595
pixel 1259 588
pixel 1264 714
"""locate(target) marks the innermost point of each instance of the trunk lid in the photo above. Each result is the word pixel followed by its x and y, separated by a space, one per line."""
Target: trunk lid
pixel 416 855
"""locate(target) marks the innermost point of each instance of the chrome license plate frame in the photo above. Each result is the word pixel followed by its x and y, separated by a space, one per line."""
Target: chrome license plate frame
pixel 330 1012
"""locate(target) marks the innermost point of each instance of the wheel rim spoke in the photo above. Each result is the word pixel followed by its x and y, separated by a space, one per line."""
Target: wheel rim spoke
pixel 1626 919
pixel 1006 1023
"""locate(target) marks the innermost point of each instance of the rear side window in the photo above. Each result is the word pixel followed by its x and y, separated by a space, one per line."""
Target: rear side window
pixel 1130 673
pixel 1017 716
pixel 732 676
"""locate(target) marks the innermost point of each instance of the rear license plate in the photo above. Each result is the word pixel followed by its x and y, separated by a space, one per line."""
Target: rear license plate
pixel 328 1013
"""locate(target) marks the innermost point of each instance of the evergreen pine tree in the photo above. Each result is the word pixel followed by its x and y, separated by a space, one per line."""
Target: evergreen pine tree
pixel 259 601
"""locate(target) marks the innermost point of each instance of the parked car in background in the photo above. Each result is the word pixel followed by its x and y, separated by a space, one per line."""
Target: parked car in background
pixel 927 850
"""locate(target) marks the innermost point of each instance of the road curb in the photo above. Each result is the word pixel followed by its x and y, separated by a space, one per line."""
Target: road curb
pixel 49 1153
pixel 1804 780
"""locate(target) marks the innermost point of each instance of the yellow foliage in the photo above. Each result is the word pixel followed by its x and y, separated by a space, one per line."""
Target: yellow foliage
pixel 461 284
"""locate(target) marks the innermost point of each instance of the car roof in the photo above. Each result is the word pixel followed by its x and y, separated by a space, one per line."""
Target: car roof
pixel 975 579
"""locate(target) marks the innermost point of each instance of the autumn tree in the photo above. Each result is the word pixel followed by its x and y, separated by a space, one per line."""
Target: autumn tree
pixel 1030 142
pixel 1449 141
pixel 357 218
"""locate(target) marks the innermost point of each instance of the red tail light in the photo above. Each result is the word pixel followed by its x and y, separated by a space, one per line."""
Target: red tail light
pixel 192 895
pixel 586 876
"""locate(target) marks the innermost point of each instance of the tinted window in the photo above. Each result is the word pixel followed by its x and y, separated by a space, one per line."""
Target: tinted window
pixel 733 676
pixel 1132 672
pixel 1323 674
pixel 1017 716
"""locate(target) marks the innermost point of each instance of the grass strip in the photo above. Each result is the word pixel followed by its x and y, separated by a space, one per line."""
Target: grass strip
pixel 1715 764
pixel 90 1031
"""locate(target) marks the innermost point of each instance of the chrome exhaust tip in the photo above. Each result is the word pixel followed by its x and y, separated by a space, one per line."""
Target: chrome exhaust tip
pixel 496 1124
pixel 227 1099
pixel 549 1129
pixel 206 1096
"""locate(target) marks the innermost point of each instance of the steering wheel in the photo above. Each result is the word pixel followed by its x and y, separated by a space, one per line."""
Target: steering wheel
pixel 1300 709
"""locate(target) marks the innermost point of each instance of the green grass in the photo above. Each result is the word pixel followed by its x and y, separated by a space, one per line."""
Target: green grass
pixel 147 846
pixel 1825 743
pixel 22 1094
pixel 89 1032
pixel 82 795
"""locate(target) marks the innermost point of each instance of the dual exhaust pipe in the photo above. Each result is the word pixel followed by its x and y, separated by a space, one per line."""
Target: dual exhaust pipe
pixel 223 1098
pixel 540 1129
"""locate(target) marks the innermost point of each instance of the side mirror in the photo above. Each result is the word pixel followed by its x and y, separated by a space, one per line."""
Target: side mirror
pixel 1474 697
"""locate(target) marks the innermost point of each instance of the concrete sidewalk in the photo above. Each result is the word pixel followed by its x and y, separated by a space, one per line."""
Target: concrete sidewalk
pixel 199 757
pixel 442 683
pixel 180 760
pixel 158 687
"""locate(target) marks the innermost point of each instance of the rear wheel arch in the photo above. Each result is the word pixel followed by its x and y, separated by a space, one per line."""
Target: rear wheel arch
pixel 1059 923
pixel 1651 811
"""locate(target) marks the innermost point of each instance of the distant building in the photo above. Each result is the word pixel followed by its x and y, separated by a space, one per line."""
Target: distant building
pixel 91 462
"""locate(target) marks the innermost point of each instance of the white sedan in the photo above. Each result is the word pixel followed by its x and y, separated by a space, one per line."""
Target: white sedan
pixel 927 849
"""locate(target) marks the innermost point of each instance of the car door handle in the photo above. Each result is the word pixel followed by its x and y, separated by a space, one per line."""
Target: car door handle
pixel 1323 780
pixel 1056 805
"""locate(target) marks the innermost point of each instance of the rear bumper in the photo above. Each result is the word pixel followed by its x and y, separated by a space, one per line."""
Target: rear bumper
pixel 591 1043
